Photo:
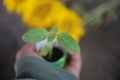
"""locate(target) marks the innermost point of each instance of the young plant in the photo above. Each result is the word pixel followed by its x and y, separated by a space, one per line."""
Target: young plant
pixel 63 39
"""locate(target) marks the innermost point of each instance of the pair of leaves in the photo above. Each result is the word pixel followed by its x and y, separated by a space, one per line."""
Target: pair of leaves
pixel 52 35
pixel 39 34
pixel 63 39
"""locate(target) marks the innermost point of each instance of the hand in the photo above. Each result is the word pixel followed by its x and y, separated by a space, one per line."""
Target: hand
pixel 29 49
pixel 73 64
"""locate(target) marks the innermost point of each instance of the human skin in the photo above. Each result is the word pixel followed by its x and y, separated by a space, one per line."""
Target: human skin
pixel 72 65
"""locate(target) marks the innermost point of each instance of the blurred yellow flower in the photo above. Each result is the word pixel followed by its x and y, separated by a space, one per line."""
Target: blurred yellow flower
pixel 35 15
pixel 47 13
pixel 14 5
pixel 20 6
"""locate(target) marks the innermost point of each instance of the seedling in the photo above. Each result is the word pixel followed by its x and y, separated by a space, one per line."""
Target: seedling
pixel 63 39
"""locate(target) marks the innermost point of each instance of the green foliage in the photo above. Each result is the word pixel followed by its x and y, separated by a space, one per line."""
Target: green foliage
pixel 68 42
pixel 51 36
pixel 64 39
pixel 55 29
pixel 45 50
pixel 35 35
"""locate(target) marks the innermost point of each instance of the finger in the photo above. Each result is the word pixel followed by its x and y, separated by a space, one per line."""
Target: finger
pixel 29 46
pixel 74 57
pixel 29 49
pixel 73 64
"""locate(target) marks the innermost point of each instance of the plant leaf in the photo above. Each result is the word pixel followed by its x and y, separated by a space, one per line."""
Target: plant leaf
pixel 46 50
pixel 35 35
pixel 55 29
pixel 67 42
pixel 51 37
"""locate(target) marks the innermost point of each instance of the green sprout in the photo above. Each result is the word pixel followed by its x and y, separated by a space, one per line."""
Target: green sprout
pixel 63 39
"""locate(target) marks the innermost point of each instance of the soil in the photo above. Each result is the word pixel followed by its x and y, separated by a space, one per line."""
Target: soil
pixel 56 55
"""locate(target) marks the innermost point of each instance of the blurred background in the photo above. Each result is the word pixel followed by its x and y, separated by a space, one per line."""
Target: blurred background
pixel 98 34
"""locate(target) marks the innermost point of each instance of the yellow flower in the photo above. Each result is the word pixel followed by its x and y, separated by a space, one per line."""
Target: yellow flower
pixel 43 14
pixel 47 13
pixel 19 6
pixel 37 15
pixel 14 5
